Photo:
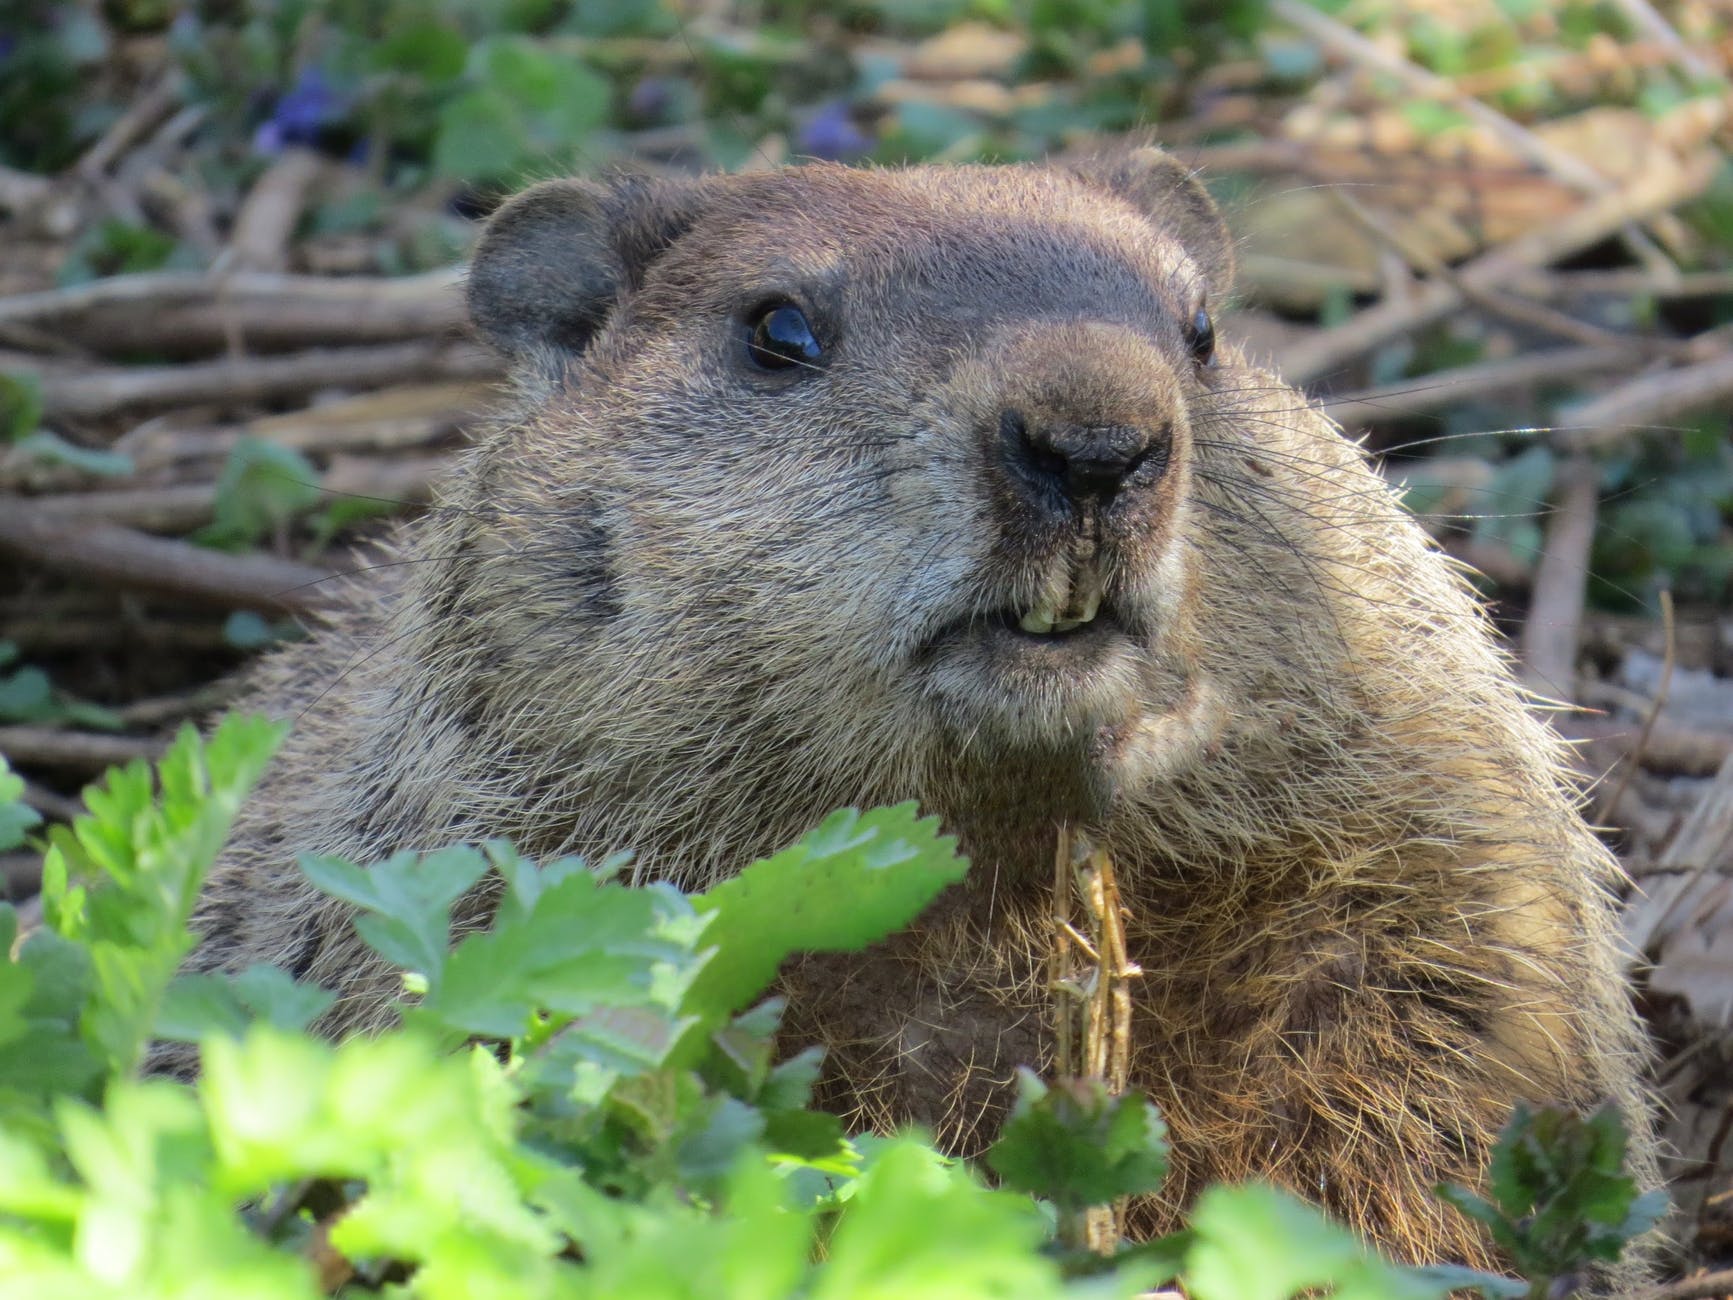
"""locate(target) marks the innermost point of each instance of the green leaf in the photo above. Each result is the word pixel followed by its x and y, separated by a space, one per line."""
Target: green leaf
pixel 573 949
pixel 16 816
pixel 262 487
pixel 530 106
pixel 1514 500
pixel 20 406
pixel 849 883
pixel 1077 1145
pixel 48 448
pixel 480 135
pixel 428 49
pixel 405 901
pixel 196 1005
pixel 43 991
pixel 1454 1278
pixel 754 1249
pixel 710 1148
pixel 245 630
pixel 115 247
pixel 122 880
pixel 1558 1197
pixel 919 1228
pixel 1256 1243
pixel 26 695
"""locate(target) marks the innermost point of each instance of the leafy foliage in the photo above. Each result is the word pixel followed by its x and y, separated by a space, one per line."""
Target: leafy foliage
pixel 1077 1145
pixel 622 1128
pixel 27 695
pixel 262 487
pixel 1252 1243
pixel 118 885
pixel 1558 1197
pixel 791 902
pixel 16 816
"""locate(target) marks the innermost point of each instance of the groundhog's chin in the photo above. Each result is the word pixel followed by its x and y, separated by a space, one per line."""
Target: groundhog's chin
pixel 997 682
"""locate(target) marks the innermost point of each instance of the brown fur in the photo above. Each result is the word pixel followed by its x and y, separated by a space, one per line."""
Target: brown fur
pixel 685 606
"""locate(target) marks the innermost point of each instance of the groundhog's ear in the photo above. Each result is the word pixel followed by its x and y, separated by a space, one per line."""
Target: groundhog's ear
pixel 1164 188
pixel 555 260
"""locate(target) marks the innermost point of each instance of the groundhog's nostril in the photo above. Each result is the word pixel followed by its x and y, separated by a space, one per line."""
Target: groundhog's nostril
pixel 1058 463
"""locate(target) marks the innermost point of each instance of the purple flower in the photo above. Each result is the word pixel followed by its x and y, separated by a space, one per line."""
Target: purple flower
pixel 301 113
pixel 831 133
pixel 649 100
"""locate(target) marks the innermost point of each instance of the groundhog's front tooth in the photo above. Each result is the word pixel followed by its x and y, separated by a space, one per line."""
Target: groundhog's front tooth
pixel 1038 621
pixel 1068 625
pixel 1091 607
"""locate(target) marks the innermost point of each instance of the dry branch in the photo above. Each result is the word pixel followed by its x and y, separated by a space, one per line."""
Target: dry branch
pixel 1555 613
pixel 1089 980
pixel 84 750
pixel 1566 167
pixel 20 191
pixel 1494 301
pixel 1705 841
pixel 1633 282
pixel 266 220
pixel 1609 807
pixel 1649 401
pixel 160 631
pixel 1429 392
pixel 126 557
pixel 181 507
pixel 193 311
pixel 142 117
pixel 1672 748
pixel 50 804
pixel 178 508
pixel 92 393
pixel 1704 1286
pixel 1496 269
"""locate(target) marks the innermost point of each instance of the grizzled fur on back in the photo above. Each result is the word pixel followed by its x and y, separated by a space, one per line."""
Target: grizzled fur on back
pixel 686 602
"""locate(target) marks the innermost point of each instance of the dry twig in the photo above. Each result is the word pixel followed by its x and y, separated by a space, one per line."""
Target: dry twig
pixel 1704 1286
pixel 126 557
pixel 266 220
pixel 1428 392
pixel 83 750
pixel 88 394
pixel 1648 401
pixel 177 312
pixel 1091 997
pixel 1495 269
pixel 1635 757
pixel 1555 612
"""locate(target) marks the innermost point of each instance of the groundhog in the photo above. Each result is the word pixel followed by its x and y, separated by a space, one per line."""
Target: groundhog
pixel 833 486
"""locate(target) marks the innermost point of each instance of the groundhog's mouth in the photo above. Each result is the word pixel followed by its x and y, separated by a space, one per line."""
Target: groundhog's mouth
pixel 1039 627
pixel 1030 637
pixel 1034 689
pixel 1052 618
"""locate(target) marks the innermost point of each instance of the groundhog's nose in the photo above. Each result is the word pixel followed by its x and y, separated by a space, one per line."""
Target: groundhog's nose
pixel 1057 464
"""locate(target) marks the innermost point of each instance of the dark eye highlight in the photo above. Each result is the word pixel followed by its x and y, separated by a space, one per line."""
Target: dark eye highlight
pixel 1200 336
pixel 782 337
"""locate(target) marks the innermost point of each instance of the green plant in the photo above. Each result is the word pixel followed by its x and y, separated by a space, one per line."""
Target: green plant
pixel 581 1100
pixel 16 816
pixel 1558 1198
pixel 27 695
pixel 263 486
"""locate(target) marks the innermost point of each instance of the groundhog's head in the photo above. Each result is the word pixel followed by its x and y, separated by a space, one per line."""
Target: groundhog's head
pixel 835 468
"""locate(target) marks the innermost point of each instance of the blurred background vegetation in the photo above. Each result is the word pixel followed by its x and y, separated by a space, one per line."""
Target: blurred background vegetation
pixel 422 113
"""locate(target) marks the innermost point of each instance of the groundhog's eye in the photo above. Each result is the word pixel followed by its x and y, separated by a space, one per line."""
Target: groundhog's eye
pixel 781 337
pixel 1200 335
